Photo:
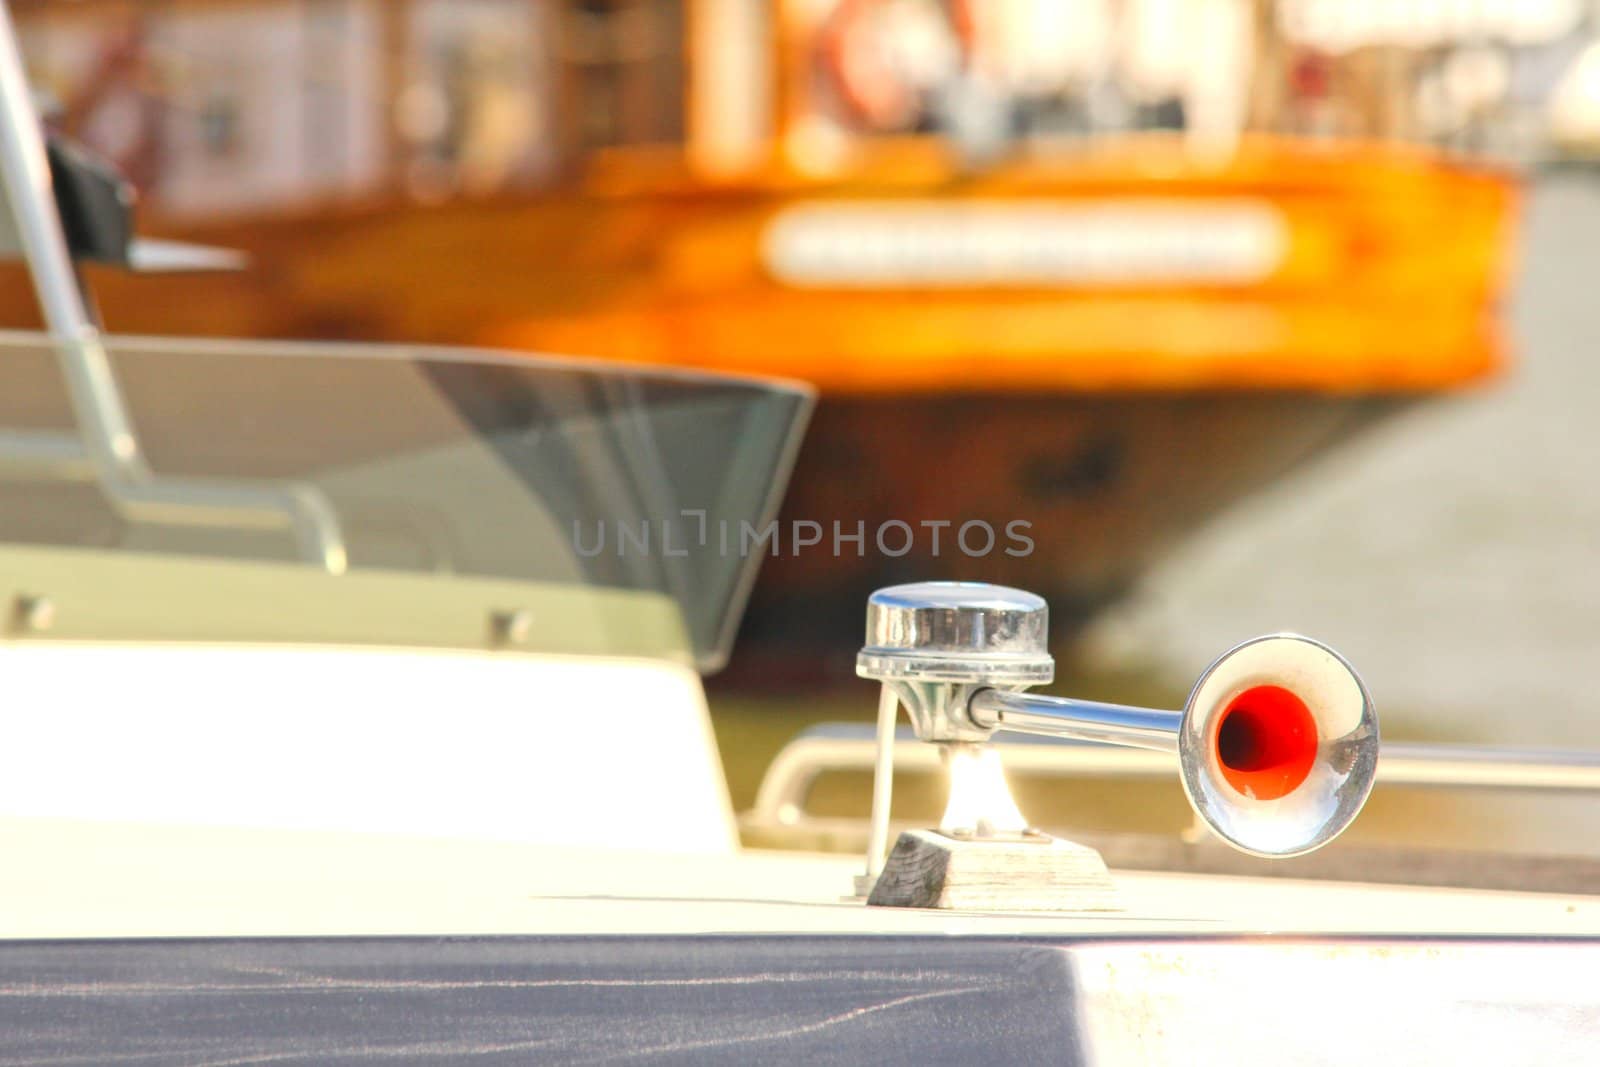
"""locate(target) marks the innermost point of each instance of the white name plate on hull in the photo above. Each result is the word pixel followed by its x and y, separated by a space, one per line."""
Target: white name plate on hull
pixel 1023 243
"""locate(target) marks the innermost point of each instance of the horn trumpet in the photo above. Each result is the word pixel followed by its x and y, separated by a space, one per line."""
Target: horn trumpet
pixel 1277 745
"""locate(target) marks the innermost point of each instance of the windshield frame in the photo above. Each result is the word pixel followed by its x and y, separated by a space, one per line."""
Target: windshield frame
pixel 619 393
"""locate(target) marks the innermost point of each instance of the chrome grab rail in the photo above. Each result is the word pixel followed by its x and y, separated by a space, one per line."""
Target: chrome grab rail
pixel 1083 720
pixel 851 747
pixel 58 456
pixel 110 447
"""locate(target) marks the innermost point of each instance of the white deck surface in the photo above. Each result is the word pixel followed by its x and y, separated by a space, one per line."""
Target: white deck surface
pixel 74 880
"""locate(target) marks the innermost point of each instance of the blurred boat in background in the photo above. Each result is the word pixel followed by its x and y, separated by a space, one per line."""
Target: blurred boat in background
pixel 1093 270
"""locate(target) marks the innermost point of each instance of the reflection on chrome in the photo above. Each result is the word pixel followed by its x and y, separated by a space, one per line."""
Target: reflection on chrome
pixel 980 798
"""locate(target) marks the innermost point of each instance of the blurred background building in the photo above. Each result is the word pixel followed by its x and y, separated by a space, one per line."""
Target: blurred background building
pixel 267 104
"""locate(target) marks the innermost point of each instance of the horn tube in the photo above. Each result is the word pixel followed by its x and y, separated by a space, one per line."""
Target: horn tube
pixel 1277 745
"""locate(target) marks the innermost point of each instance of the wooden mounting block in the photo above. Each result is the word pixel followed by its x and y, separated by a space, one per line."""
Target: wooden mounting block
pixel 1028 872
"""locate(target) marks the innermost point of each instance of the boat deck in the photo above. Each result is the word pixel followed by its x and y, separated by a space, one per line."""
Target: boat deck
pixel 105 880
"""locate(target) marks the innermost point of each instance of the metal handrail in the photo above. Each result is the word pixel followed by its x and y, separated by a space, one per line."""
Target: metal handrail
pixel 110 447
pixel 846 747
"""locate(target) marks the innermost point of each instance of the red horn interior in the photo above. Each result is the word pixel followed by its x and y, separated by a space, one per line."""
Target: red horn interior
pixel 1266 742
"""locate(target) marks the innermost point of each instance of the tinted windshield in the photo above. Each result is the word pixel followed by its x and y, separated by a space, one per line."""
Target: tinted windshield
pixel 352 459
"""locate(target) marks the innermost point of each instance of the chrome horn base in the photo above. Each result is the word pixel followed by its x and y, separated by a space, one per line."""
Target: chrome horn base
pixel 936 643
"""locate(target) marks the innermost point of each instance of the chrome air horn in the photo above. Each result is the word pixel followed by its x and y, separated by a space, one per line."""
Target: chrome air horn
pixel 1277 744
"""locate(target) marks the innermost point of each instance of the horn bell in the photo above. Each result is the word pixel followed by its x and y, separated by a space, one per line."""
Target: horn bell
pixel 1278 745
